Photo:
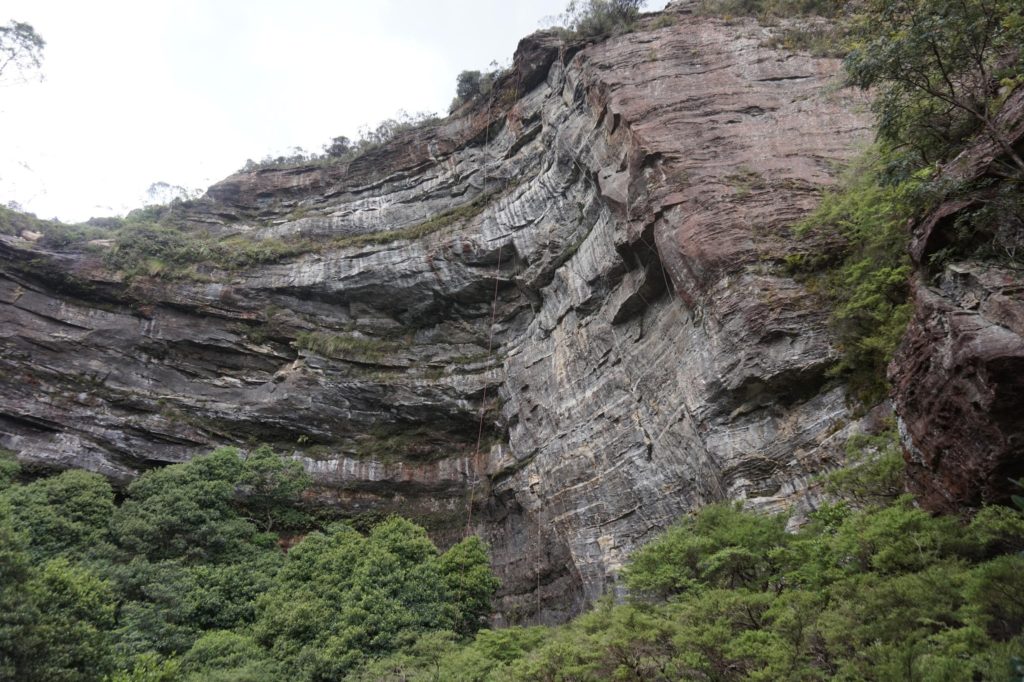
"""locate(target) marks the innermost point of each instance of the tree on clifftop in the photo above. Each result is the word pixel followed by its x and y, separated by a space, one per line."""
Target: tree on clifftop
pixel 21 48
pixel 942 68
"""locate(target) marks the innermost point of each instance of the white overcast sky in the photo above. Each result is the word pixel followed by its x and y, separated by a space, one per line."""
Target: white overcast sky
pixel 140 91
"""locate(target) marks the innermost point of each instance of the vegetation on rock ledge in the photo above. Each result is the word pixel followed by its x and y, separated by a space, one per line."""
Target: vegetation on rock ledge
pixel 865 281
pixel 941 71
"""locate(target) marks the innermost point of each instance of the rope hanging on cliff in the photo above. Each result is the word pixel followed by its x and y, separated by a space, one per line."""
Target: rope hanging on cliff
pixel 490 333
pixel 490 336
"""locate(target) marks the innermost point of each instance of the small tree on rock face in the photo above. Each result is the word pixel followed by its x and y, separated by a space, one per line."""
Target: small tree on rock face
pixel 472 84
pixel 21 48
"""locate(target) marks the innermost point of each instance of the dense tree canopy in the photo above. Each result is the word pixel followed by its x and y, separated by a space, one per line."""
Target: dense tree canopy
pixel 886 593
pixel 182 579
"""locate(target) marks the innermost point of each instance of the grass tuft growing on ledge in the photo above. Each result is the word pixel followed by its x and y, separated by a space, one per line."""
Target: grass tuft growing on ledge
pixel 338 345
pixel 153 242
pixel 427 227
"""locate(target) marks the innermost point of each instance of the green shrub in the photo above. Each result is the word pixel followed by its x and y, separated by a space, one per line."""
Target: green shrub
pixel 149 248
pixel 873 474
pixel 78 613
pixel 459 214
pixel 990 230
pixel 867 285
pixel 343 597
pixel 341 149
pixel 336 345
pixel 55 234
pixel 152 249
pixel 10 468
pixel 467 85
pixel 889 592
pixel 722 546
pixel 471 84
pixel 64 515
pixel 58 235
pixel 148 667
pixel 223 654
pixel 594 18
pixel 885 592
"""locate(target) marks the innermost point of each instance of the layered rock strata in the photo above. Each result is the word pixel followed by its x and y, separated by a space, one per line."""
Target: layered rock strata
pixel 590 257
pixel 959 373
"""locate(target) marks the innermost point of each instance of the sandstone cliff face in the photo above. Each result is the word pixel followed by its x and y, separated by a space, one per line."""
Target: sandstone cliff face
pixel 601 279
pixel 959 373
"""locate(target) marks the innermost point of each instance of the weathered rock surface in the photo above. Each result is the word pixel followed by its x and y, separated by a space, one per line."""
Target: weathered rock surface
pixel 601 280
pixel 959 373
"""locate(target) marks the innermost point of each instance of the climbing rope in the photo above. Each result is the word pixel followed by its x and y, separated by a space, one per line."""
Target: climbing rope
pixel 475 462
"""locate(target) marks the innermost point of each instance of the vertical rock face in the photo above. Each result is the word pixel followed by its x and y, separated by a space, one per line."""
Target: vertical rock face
pixel 959 373
pixel 558 318
pixel 669 363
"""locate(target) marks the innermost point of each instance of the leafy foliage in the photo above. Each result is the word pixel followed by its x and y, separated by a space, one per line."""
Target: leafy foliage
pixel 389 588
pixel 186 512
pixel 772 8
pixel 226 655
pixel 722 547
pixel 866 287
pixel 66 515
pixel 941 70
pixel 467 85
pixel 938 66
pixel 270 486
pixel 873 474
pixel 55 618
pixel 183 581
pixel 886 592
pixel 153 242
pixel 179 582
pixel 163 249
pixel 990 229
pixel 822 29
pixel 470 84
pixel 9 468
pixel 338 345
pixel 77 613
pixel 341 148
pixel 54 233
